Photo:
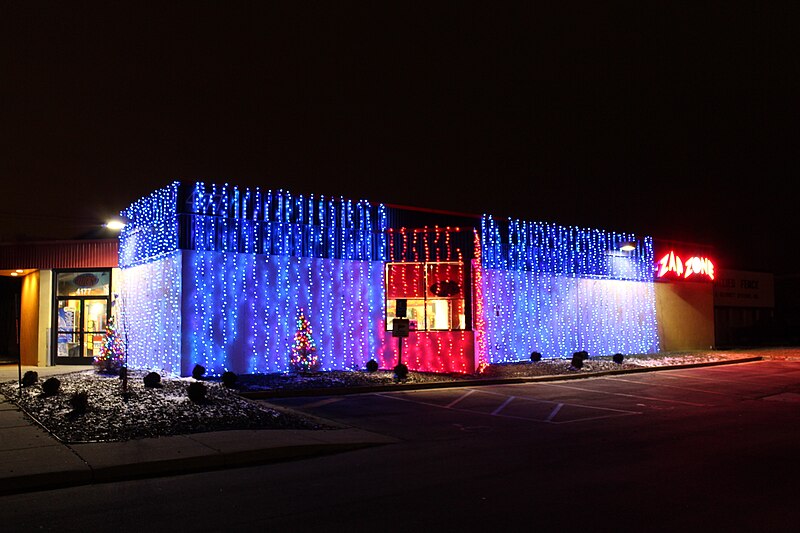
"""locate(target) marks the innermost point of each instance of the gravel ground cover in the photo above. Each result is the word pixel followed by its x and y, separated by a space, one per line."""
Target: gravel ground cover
pixel 143 412
pixel 114 415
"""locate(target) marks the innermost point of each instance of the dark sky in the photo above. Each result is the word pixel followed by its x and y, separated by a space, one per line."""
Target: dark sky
pixel 678 120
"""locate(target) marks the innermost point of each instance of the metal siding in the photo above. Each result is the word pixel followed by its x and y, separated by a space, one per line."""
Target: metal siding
pixel 60 254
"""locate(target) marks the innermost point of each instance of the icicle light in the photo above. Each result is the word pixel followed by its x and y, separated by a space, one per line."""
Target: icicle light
pixel 557 290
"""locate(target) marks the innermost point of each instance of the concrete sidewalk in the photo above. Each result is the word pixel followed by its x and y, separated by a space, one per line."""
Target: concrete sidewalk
pixel 31 459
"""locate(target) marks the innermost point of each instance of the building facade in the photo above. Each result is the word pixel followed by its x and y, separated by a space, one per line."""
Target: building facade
pixel 219 276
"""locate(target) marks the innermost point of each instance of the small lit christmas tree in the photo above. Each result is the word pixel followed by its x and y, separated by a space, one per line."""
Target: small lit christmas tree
pixel 112 352
pixel 304 353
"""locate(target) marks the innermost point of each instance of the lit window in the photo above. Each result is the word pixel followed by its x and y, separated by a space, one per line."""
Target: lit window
pixel 434 294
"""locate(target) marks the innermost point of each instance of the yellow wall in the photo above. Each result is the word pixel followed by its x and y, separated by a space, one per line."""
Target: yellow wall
pixel 29 320
pixel 685 315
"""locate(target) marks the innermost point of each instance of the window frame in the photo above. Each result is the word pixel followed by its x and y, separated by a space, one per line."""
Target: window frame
pixel 426 297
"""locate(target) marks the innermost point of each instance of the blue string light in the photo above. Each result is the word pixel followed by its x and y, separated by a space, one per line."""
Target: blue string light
pixel 557 290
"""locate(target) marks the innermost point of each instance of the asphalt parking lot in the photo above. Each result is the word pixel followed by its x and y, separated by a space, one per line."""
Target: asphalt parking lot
pixel 567 402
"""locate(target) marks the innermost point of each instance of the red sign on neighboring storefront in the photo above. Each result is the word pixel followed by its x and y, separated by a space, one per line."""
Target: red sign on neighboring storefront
pixel 671 266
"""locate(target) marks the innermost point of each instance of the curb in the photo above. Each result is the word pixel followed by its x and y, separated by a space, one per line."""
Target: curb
pixel 173 467
pixel 365 389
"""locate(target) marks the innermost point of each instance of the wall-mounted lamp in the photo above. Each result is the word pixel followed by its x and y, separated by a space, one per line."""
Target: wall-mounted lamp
pixel 627 246
pixel 115 225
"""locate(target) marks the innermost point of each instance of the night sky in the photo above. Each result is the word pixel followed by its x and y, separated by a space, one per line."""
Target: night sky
pixel 678 121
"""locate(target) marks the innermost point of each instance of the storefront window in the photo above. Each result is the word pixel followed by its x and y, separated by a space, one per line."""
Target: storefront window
pixel 434 293
pixel 82 309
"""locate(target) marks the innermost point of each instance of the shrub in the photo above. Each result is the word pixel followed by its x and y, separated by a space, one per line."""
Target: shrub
pixel 372 365
pixel 536 357
pixel 400 372
pixel 30 378
pixel 50 386
pixel 617 358
pixel 152 380
pixel 79 401
pixel 229 379
pixel 582 354
pixel 198 371
pixel 197 392
pixel 577 361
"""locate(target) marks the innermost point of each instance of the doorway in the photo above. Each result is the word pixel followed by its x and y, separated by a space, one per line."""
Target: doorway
pixel 82 309
pixel 10 293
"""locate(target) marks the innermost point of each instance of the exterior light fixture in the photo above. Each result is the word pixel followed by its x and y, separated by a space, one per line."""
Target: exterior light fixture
pixel 627 246
pixel 19 271
pixel 115 225
pixel 15 274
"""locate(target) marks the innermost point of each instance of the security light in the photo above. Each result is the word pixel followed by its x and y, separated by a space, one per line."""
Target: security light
pixel 115 225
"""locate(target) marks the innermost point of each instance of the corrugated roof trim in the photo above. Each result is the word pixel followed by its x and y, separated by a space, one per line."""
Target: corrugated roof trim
pixel 60 254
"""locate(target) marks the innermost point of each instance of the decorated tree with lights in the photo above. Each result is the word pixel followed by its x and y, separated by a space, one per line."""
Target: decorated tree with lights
pixel 112 352
pixel 304 353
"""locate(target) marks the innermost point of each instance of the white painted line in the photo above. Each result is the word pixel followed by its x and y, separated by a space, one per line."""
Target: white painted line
pixel 675 375
pixel 624 395
pixel 451 404
pixel 554 412
pixel 539 400
pixel 652 384
pixel 508 401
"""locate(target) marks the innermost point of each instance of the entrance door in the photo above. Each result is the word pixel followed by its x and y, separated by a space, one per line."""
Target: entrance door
pixel 82 311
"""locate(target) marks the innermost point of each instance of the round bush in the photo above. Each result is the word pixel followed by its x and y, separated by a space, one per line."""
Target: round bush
pixel 617 358
pixel 229 379
pixel 79 401
pixel 30 378
pixel 152 380
pixel 536 357
pixel 197 392
pixel 51 386
pixel 582 354
pixel 372 365
pixel 577 361
pixel 198 371
pixel 400 372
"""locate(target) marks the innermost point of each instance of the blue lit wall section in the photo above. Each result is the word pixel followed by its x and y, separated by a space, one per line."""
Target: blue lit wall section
pixel 151 229
pixel 564 250
pixel 239 311
pixel 151 295
pixel 557 315
pixel 558 290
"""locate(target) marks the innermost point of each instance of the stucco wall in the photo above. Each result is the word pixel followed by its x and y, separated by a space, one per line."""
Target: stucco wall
pixel 685 314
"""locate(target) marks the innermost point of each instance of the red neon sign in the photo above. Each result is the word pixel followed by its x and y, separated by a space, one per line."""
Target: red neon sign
pixel 672 264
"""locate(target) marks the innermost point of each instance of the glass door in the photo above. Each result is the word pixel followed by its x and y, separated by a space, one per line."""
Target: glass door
pixel 82 306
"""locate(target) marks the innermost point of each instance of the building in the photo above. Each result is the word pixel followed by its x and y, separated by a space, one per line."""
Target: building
pixel 218 276
pixel 55 299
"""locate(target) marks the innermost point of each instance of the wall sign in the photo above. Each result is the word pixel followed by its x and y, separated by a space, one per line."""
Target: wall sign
pixel 738 288
pixel 696 268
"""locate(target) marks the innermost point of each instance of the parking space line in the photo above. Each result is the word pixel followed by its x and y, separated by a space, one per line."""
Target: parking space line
pixel 497 412
pixel 623 395
pixel 508 401
pixel 553 402
pixel 555 411
pixel 674 375
pixel 451 404
pixel 650 383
